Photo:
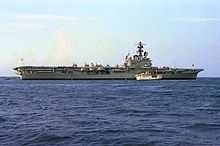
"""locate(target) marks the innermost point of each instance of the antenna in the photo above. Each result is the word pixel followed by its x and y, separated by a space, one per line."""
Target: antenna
pixel 140 48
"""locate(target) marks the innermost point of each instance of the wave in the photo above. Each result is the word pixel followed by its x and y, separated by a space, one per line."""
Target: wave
pixel 46 139
pixel 2 119
pixel 204 126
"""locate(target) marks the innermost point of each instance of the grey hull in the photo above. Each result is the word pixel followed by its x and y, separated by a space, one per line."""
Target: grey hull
pixel 60 76
pixel 111 76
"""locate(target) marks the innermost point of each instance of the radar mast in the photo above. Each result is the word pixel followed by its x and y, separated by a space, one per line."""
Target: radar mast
pixel 140 49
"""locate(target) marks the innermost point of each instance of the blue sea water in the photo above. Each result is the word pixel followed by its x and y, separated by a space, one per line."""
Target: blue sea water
pixel 99 113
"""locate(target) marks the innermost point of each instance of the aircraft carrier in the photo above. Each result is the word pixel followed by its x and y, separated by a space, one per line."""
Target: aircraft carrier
pixel 133 66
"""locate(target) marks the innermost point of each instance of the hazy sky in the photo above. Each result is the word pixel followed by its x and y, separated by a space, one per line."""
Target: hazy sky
pixel 62 32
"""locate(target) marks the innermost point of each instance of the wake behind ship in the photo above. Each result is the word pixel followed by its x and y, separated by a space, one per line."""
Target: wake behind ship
pixel 138 66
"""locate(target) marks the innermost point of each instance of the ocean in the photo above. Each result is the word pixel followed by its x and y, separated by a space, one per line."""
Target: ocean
pixel 114 113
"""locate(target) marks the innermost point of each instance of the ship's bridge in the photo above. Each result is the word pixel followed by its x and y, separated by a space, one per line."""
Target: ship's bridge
pixel 139 60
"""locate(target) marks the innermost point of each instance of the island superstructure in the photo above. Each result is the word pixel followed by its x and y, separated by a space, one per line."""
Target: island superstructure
pixel 133 66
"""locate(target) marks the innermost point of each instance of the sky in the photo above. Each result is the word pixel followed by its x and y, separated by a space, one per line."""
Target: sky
pixel 177 33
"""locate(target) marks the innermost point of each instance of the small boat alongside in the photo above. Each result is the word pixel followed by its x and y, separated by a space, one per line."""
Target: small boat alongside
pixel 149 76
